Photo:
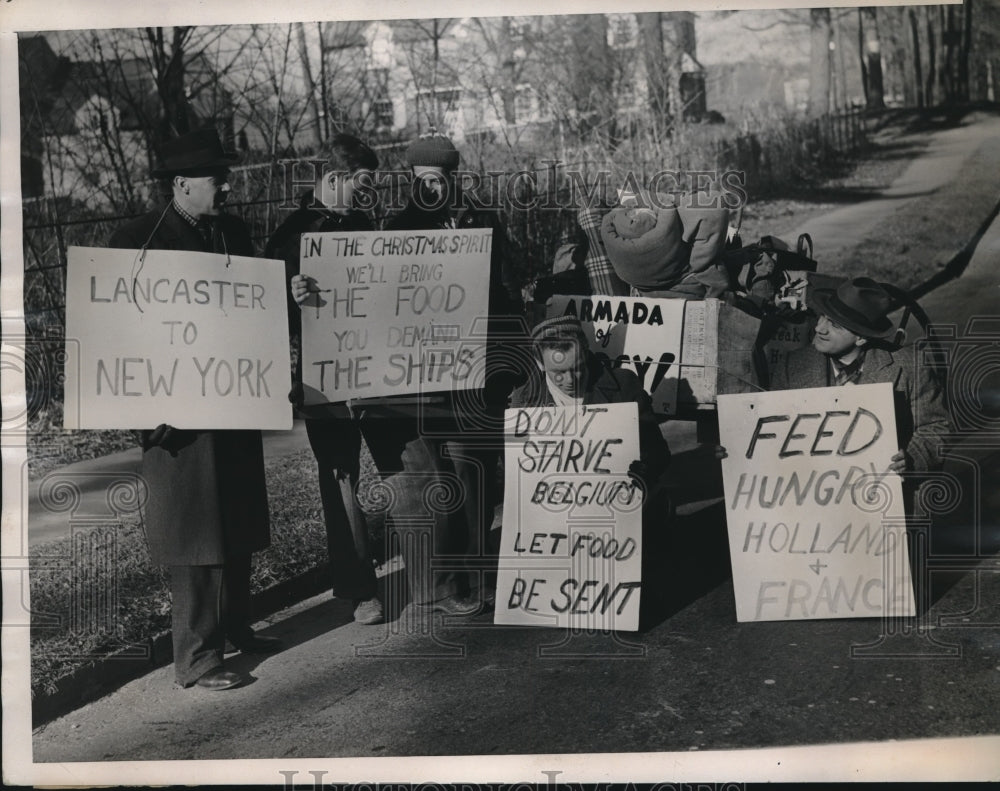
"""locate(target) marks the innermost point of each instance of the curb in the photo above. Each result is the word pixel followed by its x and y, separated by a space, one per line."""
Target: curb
pixel 104 675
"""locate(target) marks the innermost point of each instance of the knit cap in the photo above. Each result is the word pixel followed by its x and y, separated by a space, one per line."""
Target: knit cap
pixel 557 328
pixel 432 150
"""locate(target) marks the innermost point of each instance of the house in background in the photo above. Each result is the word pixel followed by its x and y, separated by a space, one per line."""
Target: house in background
pixel 87 126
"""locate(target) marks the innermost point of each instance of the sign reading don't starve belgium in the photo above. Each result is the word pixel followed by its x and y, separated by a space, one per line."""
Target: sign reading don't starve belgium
pixel 194 340
pixel 394 312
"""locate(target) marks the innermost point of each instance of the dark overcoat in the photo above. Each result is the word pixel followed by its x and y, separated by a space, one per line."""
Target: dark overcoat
pixel 207 496
pixel 921 418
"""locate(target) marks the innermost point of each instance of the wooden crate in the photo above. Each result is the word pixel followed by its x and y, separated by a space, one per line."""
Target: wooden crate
pixel 716 355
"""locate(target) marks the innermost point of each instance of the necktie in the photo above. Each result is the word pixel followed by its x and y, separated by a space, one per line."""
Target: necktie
pixel 205 227
pixel 850 373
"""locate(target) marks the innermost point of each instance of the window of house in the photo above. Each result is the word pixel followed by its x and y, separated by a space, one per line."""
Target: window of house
pixel 384 113
pixel 626 90
pixel 524 104
pixel 439 102
pixel 622 30
pixel 382 109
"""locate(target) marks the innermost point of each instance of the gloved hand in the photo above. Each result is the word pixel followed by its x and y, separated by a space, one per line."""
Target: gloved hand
pixel 167 437
pixel 297 395
pixel 638 471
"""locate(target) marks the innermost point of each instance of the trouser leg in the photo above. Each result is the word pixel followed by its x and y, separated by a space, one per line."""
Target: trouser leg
pixel 414 469
pixel 476 468
pixel 196 620
pixel 336 445
pixel 236 598
pixel 430 536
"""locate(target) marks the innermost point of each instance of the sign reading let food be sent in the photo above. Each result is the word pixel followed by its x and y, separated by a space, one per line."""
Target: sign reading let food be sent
pixel 571 546
pixel 394 312
pixel 195 340
pixel 816 524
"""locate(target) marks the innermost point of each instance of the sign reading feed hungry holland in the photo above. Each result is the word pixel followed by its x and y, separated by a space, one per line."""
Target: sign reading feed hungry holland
pixel 816 524
pixel 194 340
pixel 394 312
pixel 643 335
pixel 571 545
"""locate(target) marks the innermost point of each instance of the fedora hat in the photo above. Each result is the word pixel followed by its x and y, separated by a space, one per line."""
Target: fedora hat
pixel 860 305
pixel 192 152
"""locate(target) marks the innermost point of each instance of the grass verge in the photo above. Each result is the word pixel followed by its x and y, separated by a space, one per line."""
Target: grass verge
pixel 97 592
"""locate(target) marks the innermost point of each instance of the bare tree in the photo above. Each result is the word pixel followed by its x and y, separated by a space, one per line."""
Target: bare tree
pixel 820 38
pixel 870 57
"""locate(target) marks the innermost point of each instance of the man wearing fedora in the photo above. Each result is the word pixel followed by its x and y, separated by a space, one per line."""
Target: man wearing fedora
pixel 207 507
pixel 852 345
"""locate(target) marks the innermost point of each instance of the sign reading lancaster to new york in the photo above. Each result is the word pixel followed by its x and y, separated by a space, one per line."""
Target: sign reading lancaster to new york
pixel 643 335
pixel 816 525
pixel 394 312
pixel 571 546
pixel 194 340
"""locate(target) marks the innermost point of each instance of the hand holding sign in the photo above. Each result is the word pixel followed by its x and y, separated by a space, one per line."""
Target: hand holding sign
pixel 302 287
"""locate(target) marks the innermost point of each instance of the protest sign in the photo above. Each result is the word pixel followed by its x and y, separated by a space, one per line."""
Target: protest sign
pixel 571 548
pixel 642 335
pixel 394 312
pixel 816 525
pixel 194 340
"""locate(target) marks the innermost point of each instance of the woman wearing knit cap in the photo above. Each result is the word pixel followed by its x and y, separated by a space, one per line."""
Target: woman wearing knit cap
pixel 420 452
pixel 334 435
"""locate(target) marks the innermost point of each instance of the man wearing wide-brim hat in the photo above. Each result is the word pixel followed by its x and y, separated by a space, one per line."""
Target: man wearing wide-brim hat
pixel 853 345
pixel 207 507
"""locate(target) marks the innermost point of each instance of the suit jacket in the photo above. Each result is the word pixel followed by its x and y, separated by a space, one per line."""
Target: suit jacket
pixel 207 498
pixel 607 385
pixel 921 419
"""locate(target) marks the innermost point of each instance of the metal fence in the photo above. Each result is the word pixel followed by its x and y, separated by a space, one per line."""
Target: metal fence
pixel 538 214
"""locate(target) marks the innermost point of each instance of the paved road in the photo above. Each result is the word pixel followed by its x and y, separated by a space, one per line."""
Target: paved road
pixel 696 680
pixel 943 158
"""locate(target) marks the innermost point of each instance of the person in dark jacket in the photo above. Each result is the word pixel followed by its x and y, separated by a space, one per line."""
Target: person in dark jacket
pixel 454 443
pixel 333 433
pixel 207 507
pixel 567 373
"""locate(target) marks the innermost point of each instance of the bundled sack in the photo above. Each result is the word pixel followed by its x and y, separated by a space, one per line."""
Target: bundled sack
pixel 569 275
pixel 659 244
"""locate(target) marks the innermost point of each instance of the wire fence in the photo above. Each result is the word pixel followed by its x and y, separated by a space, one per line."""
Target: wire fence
pixel 539 213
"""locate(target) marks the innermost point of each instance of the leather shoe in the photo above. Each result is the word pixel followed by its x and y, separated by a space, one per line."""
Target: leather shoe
pixel 219 679
pixel 369 612
pixel 458 606
pixel 255 644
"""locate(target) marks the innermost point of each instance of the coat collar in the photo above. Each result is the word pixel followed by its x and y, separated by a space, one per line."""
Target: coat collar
pixel 173 227
pixel 601 387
